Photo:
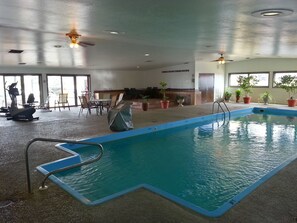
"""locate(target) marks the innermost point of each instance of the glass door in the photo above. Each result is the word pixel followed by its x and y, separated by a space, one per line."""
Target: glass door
pixel 32 86
pixel 2 92
pixel 73 85
pixel 68 87
pixel 82 85
pixel 8 80
pixel 54 89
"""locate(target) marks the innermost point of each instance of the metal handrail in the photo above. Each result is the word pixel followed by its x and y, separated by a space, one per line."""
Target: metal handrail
pixel 219 101
pixel 61 169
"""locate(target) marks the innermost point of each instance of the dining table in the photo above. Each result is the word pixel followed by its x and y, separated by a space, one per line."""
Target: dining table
pixel 101 103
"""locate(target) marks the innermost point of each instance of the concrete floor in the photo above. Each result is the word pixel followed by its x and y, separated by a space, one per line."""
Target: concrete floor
pixel 274 201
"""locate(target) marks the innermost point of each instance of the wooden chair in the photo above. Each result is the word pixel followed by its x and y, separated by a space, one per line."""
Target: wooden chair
pixel 86 104
pixel 62 101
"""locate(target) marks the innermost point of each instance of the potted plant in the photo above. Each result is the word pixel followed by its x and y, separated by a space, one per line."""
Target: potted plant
pixel 180 100
pixel 164 102
pixel 227 95
pixel 237 94
pixel 266 97
pixel 246 84
pixel 289 84
pixel 145 103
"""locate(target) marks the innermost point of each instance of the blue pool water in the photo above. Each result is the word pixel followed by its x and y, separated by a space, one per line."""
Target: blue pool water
pixel 206 165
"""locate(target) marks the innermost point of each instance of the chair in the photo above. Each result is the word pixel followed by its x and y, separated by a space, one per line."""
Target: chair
pixel 96 95
pixel 62 101
pixel 85 104
pixel 119 99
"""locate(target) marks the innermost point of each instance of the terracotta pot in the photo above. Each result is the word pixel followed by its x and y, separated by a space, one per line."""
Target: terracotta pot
pixel 237 99
pixel 164 104
pixel 292 102
pixel 145 106
pixel 247 100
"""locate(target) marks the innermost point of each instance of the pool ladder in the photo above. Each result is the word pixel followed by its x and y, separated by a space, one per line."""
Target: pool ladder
pixel 43 186
pixel 219 102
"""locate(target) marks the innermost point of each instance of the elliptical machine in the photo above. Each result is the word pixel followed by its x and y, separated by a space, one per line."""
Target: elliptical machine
pixel 23 114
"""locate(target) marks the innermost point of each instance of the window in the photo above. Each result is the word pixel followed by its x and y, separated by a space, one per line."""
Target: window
pixel 233 79
pixel 71 84
pixel 263 78
pixel 278 75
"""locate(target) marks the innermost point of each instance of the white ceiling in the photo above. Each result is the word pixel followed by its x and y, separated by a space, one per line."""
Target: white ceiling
pixel 171 31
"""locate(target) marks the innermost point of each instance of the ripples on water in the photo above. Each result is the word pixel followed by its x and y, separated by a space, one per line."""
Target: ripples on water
pixel 206 165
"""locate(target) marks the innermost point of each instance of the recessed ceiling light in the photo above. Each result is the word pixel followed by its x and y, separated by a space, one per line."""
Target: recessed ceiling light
pixel 147 54
pixel 112 32
pixel 57 46
pixel 272 12
pixel 22 63
pixel 148 61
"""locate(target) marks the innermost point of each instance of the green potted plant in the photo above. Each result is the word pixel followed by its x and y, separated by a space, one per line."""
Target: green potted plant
pixel 164 102
pixel 180 100
pixel 238 94
pixel 266 97
pixel 145 103
pixel 289 84
pixel 246 84
pixel 227 95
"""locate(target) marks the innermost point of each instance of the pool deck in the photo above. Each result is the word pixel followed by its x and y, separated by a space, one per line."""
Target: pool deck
pixel 273 201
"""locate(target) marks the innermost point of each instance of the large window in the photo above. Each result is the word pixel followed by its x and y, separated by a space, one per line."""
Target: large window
pixel 26 84
pixel 263 78
pixel 71 84
pixel 278 75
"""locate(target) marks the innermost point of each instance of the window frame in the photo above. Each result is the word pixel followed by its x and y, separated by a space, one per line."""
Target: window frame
pixel 286 73
pixel 249 73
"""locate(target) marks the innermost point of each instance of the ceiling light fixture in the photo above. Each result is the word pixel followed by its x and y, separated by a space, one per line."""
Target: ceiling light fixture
pixel 272 12
pixel 73 35
pixel 113 32
pixel 147 54
pixel 221 59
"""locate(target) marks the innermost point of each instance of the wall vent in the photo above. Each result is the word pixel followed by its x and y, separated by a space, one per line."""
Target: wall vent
pixel 175 71
pixel 15 51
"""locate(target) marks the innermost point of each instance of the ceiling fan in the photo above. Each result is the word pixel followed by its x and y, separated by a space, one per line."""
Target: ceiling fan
pixel 74 36
pixel 221 59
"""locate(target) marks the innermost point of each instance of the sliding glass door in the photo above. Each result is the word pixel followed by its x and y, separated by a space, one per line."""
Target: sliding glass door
pixel 2 92
pixel 8 80
pixel 70 84
pixel 32 86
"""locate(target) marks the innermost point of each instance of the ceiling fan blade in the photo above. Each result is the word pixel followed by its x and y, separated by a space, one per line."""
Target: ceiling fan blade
pixel 81 44
pixel 86 43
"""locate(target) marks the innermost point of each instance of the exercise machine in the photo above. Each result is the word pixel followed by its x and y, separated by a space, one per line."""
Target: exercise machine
pixel 15 113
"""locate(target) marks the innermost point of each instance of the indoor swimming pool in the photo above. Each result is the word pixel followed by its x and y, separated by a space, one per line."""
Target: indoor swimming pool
pixel 206 163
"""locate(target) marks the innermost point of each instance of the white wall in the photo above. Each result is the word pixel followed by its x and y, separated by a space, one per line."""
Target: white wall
pixel 265 65
pixel 113 79
pixel 152 78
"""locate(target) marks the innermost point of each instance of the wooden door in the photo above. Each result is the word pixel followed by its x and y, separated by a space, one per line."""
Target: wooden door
pixel 206 87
